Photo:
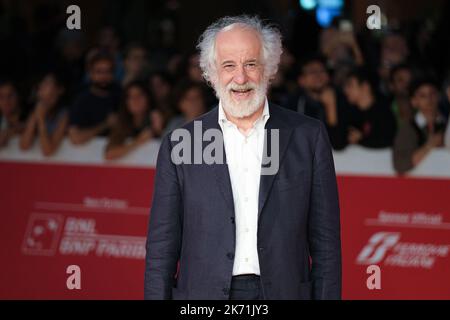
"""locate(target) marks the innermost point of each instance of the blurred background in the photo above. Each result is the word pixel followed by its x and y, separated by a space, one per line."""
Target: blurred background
pixel 82 112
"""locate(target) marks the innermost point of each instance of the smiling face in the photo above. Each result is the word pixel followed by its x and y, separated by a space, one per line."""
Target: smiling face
pixel 239 83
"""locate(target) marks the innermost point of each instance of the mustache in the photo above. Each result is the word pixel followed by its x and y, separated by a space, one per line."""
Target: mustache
pixel 247 86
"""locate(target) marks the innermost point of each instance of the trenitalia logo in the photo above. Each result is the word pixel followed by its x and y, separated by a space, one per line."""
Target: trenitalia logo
pixel 377 247
pixel 385 247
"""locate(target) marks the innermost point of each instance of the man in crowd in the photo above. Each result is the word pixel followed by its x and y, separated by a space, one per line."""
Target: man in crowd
pixel 93 111
pixel 318 99
pixel 371 122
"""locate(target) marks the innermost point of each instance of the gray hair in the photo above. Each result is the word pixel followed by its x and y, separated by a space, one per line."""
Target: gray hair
pixel 270 40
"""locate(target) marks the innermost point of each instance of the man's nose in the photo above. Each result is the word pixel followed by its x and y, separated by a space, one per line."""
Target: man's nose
pixel 240 76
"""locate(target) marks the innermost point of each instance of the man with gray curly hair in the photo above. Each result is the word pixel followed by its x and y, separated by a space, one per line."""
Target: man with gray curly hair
pixel 231 230
pixel 240 79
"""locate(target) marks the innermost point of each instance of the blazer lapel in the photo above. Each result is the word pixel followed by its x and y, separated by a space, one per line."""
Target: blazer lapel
pixel 266 181
pixel 221 172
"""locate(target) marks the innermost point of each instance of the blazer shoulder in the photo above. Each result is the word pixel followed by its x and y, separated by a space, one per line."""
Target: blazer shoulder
pixel 209 120
pixel 295 119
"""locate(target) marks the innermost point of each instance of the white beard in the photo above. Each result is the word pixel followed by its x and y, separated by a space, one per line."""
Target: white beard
pixel 246 107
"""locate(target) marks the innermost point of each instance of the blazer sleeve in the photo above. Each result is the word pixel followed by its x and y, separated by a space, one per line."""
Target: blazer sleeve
pixel 164 231
pixel 324 223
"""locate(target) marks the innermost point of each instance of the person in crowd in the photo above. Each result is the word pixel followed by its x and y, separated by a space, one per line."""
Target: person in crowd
pixel 109 41
pixel 49 120
pixel 93 112
pixel 160 85
pixel 447 102
pixel 284 83
pixel 189 101
pixel 71 47
pixel 424 132
pixel 136 64
pixel 371 121
pixel 134 126
pixel 394 50
pixel 11 115
pixel 193 70
pixel 317 98
pixel 400 81
pixel 194 74
pixel 444 105
pixel 341 50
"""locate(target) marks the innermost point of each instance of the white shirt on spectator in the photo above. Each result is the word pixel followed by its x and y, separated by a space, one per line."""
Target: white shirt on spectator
pixel 244 155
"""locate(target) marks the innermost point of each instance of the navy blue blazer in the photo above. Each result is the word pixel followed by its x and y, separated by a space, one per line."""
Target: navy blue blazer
pixel 191 234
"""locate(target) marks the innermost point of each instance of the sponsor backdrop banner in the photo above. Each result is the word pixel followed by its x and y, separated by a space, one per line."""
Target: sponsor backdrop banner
pixel 95 217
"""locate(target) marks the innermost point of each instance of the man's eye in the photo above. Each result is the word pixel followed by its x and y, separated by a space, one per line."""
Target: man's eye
pixel 228 66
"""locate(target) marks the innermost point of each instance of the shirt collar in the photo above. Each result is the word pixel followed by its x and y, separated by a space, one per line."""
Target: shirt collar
pixel 224 120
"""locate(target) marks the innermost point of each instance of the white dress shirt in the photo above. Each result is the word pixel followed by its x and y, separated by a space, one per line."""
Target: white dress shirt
pixel 244 155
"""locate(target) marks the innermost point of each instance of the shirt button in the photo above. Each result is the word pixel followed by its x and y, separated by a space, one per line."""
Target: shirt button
pixel 246 199
pixel 245 169
pixel 246 259
pixel 246 230
pixel 230 255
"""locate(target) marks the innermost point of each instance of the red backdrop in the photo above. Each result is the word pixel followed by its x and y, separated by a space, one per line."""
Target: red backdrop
pixel 53 216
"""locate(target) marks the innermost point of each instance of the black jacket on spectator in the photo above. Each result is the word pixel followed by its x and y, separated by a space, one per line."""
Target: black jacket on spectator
pixel 303 103
pixel 377 124
pixel 89 110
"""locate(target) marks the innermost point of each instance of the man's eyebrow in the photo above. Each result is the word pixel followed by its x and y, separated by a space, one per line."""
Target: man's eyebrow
pixel 227 61
pixel 246 61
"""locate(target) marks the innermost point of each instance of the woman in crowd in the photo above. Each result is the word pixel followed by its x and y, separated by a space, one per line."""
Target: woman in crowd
pixel 416 138
pixel 10 113
pixel 135 63
pixel 138 123
pixel 49 120
pixel 189 102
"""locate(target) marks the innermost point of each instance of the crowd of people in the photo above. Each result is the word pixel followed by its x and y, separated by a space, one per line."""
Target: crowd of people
pixel 396 100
